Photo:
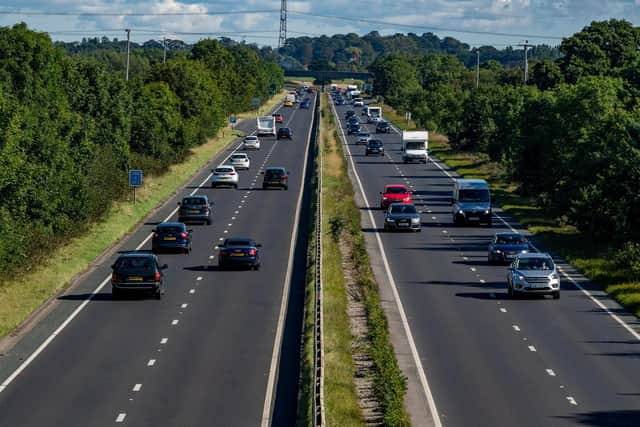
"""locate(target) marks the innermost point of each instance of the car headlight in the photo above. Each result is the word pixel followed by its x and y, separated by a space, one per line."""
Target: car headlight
pixel 525 251
pixel 554 276
pixel 415 220
pixel 486 212
pixel 390 220
pixel 520 277
pixel 498 251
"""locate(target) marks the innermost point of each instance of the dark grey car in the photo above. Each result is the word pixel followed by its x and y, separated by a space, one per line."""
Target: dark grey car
pixel 400 216
pixel 506 246
pixel 195 209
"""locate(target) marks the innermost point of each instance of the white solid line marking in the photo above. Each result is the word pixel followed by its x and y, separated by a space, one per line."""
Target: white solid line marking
pixel 211 256
pixel 164 340
pixel 572 401
pixel 396 296
pixel 121 417
pixel 551 373
pixel 275 356
pixel 473 269
pixel 516 328
pixel 225 231
pixel 174 322
pixel 184 305
pixel 465 258
pixel 192 291
pixel 482 281
pixel 233 218
pixel 137 387
pixel 445 231
pixel 504 310
pixel 433 217
pixel 151 362
pixel 222 238
pixel 532 348
pixel 199 278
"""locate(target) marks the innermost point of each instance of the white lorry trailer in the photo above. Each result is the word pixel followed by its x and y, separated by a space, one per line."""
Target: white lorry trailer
pixel 374 114
pixel 266 126
pixel 415 146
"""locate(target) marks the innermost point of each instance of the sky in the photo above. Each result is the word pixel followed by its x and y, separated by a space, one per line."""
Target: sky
pixel 476 22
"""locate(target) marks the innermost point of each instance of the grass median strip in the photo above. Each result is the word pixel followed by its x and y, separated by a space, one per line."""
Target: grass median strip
pixel 343 237
pixel 596 260
pixel 20 296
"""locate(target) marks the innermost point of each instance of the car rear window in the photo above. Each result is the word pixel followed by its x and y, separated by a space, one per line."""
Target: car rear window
pixel 396 190
pixel 274 172
pixel 404 209
pixel 194 201
pixel 239 243
pixel 135 263
pixel 224 170
pixel 170 229
pixel 239 156
pixel 251 138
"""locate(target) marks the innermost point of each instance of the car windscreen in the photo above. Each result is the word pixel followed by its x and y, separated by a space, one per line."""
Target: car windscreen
pixel 375 143
pixel 535 264
pixel 396 190
pixel 193 201
pixel 363 135
pixel 167 229
pixel 403 209
pixel 474 195
pixel 510 239
pixel 415 146
pixel 238 243
pixel 142 264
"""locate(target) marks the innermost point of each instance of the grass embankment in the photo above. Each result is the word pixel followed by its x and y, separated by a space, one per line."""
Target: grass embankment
pixel 594 259
pixel 341 220
pixel 20 296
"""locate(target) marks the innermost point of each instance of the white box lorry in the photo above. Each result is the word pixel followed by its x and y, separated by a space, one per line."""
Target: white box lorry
pixel 374 114
pixel 415 146
pixel 266 126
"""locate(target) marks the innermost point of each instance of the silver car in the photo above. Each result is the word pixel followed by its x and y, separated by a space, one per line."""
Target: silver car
pixel 240 161
pixel 251 142
pixel 363 138
pixel 533 273
pixel 224 175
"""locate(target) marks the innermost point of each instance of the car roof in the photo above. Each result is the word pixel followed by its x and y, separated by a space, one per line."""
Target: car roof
pixel 534 255
pixel 472 183
pixel 137 254
pixel 509 233
pixel 395 186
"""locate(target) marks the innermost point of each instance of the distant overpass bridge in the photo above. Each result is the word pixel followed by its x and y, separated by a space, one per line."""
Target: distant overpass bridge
pixel 332 75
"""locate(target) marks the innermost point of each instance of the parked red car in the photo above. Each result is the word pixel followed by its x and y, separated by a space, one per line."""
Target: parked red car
pixel 395 194
pixel 279 118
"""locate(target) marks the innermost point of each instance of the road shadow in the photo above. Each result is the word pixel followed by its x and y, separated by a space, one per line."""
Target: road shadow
pixel 619 418
pixel 495 296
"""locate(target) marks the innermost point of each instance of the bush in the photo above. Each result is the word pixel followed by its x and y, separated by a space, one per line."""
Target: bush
pixel 336 226
pixel 628 258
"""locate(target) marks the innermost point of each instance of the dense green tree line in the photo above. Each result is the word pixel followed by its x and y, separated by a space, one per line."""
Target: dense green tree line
pixel 71 127
pixel 570 137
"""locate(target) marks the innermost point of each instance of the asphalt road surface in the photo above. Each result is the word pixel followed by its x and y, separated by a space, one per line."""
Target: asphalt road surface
pixel 491 360
pixel 221 347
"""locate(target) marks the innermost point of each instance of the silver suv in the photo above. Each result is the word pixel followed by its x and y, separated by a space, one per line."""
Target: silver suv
pixel 533 273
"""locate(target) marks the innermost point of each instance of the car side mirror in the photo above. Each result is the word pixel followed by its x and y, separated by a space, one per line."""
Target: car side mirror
pixel 179 203
pixel 164 267
pixel 258 245
pixel 113 266
pixel 381 192
pixel 261 173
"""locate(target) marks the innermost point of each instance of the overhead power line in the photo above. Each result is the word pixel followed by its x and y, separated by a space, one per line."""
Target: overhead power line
pixel 79 13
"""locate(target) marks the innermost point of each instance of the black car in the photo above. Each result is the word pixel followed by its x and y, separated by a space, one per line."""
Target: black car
pixel 275 177
pixel 239 252
pixel 349 113
pixel 354 128
pixel 506 246
pixel 137 271
pixel 383 127
pixel 171 236
pixel 353 120
pixel 402 216
pixel 196 209
pixel 374 146
pixel 285 133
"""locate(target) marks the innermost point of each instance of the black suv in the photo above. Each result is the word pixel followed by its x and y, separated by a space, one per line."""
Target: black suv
pixel 195 208
pixel 137 271
pixel 171 236
pixel 374 146
pixel 383 127
pixel 350 113
pixel 354 128
pixel 275 177
pixel 285 133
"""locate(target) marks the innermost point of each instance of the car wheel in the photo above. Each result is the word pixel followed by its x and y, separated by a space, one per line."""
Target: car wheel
pixel 419 230
pixel 158 295
pixel 510 292
pixel 235 186
pixel 556 295
pixel 115 293
pixel 386 227
pixel 264 187
pixel 286 187
pixel 208 221
pixel 490 223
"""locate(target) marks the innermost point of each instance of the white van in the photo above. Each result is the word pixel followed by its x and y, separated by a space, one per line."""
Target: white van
pixel 415 146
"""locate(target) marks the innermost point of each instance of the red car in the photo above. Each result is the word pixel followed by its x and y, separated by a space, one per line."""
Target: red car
pixel 395 194
pixel 279 118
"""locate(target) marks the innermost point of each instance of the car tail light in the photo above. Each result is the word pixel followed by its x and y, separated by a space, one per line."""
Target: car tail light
pixel 407 199
pixel 114 277
pixel 158 276
pixel 232 173
pixel 205 208
pixel 252 252
pixel 283 177
pixel 184 235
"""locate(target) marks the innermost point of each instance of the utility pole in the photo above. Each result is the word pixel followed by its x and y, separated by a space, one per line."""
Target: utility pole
pixel 282 39
pixel 477 68
pixel 526 45
pixel 126 75
pixel 164 53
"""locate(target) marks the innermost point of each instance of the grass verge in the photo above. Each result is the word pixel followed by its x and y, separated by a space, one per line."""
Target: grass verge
pixel 341 219
pixel 594 259
pixel 20 296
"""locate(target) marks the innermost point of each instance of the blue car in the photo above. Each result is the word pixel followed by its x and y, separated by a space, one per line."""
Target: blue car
pixel 506 246
pixel 306 104
pixel 171 236
pixel 239 252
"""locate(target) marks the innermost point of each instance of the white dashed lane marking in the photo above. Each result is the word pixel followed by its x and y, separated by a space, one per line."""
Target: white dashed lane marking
pixel 183 306
pixel 199 278
pixel 164 340
pixel 121 417
pixel 516 328
pixel 572 401
pixel 192 291
pixel 504 310
pixel 174 322
pixel 551 373
pixel 532 348
pixel 151 362
pixel 137 387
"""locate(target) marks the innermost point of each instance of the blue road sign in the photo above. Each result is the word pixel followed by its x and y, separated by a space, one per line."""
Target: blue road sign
pixel 233 120
pixel 135 178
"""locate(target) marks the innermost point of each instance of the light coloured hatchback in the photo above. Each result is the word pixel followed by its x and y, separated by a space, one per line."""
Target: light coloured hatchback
pixel 224 175
pixel 240 161
pixel 251 142
pixel 533 273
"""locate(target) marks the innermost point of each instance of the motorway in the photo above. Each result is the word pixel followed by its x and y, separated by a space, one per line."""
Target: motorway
pixel 490 360
pixel 221 347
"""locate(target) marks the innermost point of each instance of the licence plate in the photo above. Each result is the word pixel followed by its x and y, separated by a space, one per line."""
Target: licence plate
pixel 194 211
pixel 169 238
pixel 240 254
pixel 135 278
